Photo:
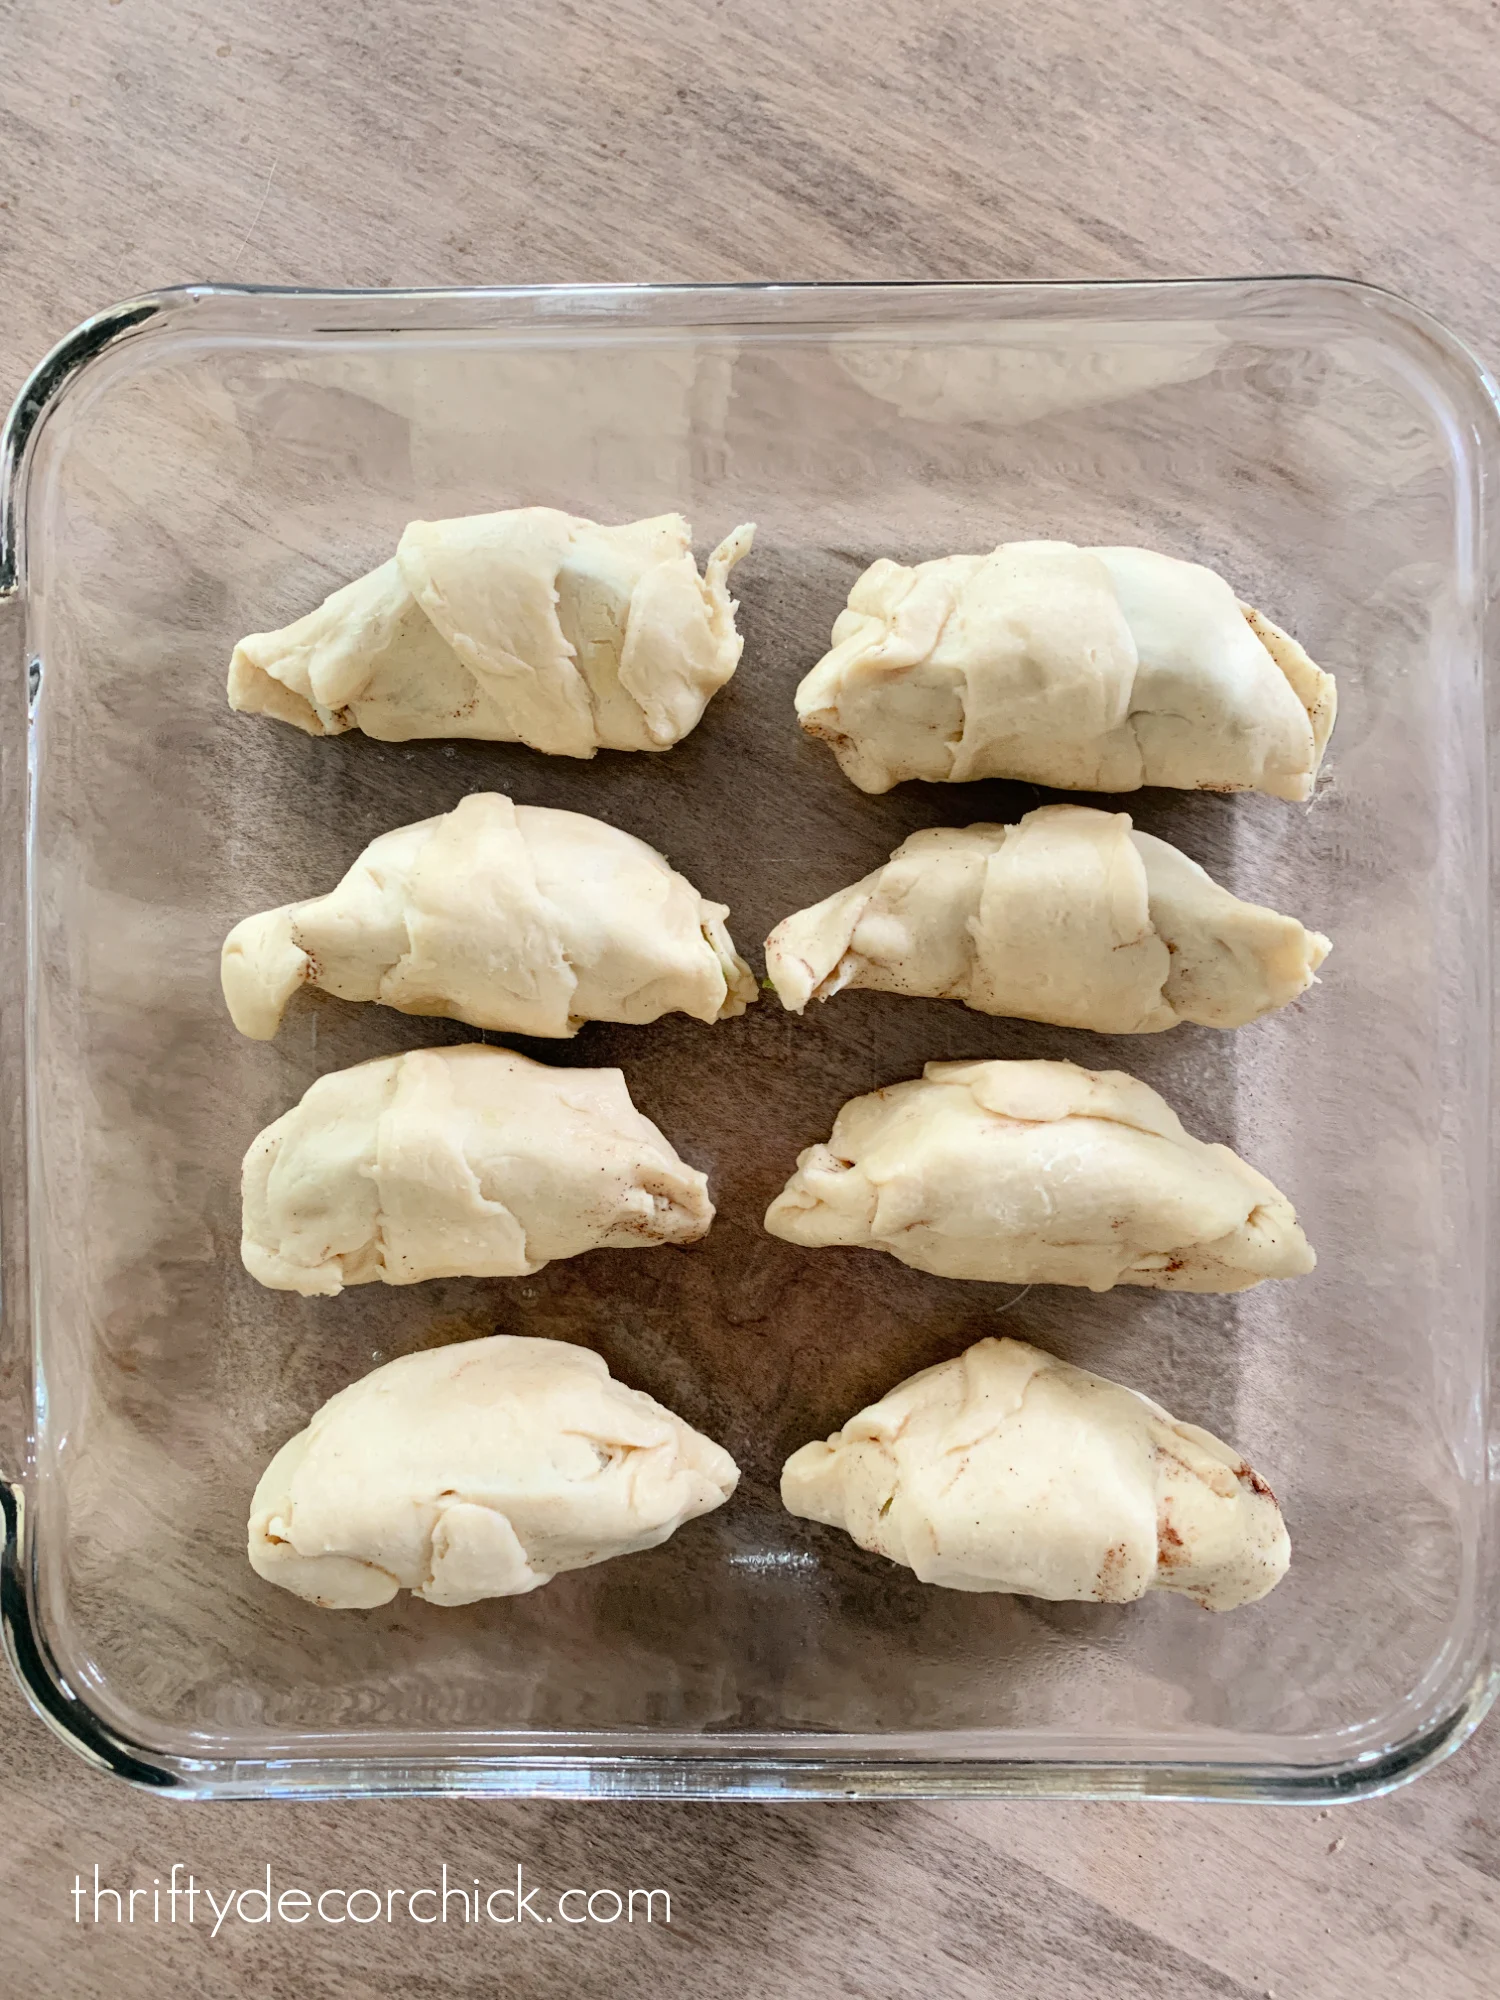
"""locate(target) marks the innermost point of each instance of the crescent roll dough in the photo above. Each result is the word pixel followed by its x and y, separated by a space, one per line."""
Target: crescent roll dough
pixel 478 1470
pixel 1039 1173
pixel 530 626
pixel 520 918
pixel 472 1161
pixel 1008 1470
pixel 1070 917
pixel 1095 670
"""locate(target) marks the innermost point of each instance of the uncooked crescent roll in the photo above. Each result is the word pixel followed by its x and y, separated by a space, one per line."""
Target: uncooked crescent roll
pixel 520 918
pixel 1008 1470
pixel 478 1470
pixel 1070 917
pixel 1039 1173
pixel 529 626
pixel 1095 670
pixel 445 1163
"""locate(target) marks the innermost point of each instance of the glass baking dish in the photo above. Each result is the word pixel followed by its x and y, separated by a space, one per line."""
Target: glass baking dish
pixel 205 462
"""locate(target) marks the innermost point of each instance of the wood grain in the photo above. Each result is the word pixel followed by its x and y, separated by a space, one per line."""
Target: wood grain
pixel 426 143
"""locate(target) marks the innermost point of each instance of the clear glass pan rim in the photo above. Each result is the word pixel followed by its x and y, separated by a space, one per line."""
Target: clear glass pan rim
pixel 719 1767
pixel 138 315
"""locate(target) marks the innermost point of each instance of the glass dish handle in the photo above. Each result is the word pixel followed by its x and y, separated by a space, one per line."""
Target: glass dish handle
pixel 15 1304
pixel 20 686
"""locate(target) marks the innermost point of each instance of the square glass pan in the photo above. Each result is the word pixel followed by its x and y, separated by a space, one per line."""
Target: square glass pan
pixel 206 462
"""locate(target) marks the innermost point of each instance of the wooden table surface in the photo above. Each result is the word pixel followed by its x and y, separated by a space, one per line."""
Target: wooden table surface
pixel 144 142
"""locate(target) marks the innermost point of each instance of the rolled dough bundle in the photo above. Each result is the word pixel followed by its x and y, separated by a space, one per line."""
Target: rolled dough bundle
pixel 520 918
pixel 1095 670
pixel 1039 1173
pixel 1007 1470
pixel 530 626
pixel 478 1470
pixel 1071 916
pixel 456 1162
